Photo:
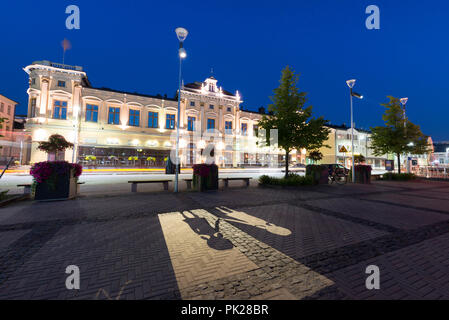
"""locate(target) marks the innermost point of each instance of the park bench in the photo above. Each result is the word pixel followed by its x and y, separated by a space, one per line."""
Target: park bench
pixel 189 183
pixel 226 180
pixel 78 186
pixel 135 183
pixel 26 188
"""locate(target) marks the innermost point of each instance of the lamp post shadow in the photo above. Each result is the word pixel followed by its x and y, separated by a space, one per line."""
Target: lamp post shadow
pixel 212 235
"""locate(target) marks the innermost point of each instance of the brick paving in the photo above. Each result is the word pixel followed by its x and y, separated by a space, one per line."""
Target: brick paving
pixel 250 243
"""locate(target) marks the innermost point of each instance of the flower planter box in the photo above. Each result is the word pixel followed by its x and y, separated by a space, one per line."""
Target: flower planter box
pixel 319 173
pixel 55 180
pixel 205 177
pixel 64 188
pixel 362 174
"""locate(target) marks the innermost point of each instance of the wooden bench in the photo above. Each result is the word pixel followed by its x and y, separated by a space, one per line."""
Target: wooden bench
pixel 226 181
pixel 26 188
pixel 189 183
pixel 78 186
pixel 135 183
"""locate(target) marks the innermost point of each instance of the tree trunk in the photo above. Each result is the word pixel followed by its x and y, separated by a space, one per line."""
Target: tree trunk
pixel 399 163
pixel 286 163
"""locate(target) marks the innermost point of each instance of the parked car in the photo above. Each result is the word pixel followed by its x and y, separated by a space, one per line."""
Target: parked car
pixel 296 167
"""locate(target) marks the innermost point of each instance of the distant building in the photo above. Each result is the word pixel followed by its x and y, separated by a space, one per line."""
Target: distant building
pixel 441 153
pixel 340 147
pixel 7 110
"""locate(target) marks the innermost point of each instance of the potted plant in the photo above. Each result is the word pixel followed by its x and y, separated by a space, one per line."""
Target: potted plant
pixel 55 147
pixel 205 177
pixel 55 180
pixel 91 161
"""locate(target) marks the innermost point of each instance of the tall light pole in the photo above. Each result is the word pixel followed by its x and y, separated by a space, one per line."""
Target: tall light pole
pixel 403 103
pixel 351 84
pixel 181 33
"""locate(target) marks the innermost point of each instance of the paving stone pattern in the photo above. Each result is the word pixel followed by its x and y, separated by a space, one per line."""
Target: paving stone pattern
pixel 241 243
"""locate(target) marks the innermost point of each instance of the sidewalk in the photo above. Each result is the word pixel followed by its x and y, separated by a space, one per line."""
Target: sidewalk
pixel 255 243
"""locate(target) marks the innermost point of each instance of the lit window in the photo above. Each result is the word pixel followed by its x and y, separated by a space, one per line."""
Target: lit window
pixel 210 124
pixel 153 120
pixel 61 84
pixel 170 121
pixel 60 110
pixel 191 124
pixel 228 127
pixel 134 118
pixel 33 107
pixel 244 129
pixel 114 115
pixel 91 113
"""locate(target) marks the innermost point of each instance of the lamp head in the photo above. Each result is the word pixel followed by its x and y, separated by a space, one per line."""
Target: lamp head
pixel 403 101
pixel 182 53
pixel 181 33
pixel 357 95
pixel 351 83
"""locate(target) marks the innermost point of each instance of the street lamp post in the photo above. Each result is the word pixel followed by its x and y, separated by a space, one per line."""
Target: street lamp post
pixel 403 103
pixel 181 33
pixel 351 84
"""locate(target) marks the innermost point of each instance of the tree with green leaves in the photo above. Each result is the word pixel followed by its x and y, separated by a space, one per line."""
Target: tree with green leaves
pixel 398 135
pixel 296 127
pixel 315 156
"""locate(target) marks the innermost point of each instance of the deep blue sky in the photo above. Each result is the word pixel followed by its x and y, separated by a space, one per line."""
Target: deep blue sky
pixel 131 46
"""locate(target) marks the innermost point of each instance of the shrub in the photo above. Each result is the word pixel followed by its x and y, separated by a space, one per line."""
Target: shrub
pixel 399 176
pixel 291 180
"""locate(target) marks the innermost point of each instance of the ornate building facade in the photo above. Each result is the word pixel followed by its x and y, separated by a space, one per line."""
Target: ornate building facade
pixel 115 128
pixel 7 110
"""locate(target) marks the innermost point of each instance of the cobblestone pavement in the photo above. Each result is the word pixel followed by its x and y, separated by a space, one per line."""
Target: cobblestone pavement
pixel 254 243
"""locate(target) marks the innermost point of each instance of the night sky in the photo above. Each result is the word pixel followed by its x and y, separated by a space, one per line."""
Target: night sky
pixel 131 46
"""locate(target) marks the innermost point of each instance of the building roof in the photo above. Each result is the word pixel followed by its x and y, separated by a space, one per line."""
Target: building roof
pixel 9 99
pixel 344 127
pixel 135 93
pixel 193 86
pixel 441 146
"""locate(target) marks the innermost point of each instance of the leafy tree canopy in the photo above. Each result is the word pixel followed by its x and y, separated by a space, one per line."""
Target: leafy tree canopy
pixel 398 135
pixel 55 143
pixel 297 128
